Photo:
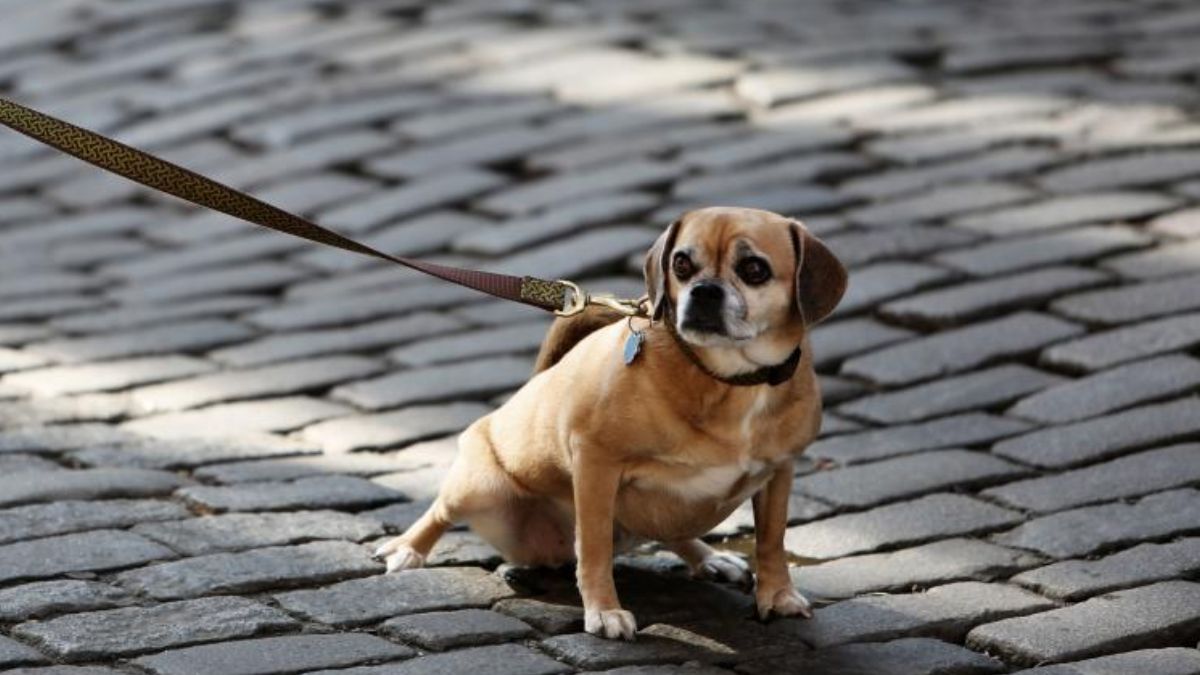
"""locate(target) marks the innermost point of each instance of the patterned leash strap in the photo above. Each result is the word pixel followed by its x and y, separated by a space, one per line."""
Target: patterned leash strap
pixel 172 179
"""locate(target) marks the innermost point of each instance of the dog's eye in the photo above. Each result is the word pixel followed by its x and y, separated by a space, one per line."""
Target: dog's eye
pixel 683 266
pixel 754 271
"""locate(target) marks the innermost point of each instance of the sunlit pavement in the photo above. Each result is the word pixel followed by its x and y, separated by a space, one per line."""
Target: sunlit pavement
pixel 206 428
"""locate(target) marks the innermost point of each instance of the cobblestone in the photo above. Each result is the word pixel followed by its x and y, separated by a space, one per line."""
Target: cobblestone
pixel 265 656
pixel 42 599
pixel 1132 303
pixel 1073 245
pixel 836 340
pixel 375 598
pixel 64 517
pixel 965 429
pixel 973 300
pixel 1120 345
pixel 107 376
pixel 1103 437
pixel 255 570
pixel 591 652
pixel 907 656
pixel 135 630
pixel 982 389
pixel 231 423
pixel 85 552
pixel 435 383
pixel 928 565
pixel 1014 361
pixel 908 476
pixel 287 378
pixel 960 349
pixel 887 280
pixel 187 451
pixel 1163 261
pixel 1143 564
pixel 939 203
pixel 394 429
pixel 185 336
pixel 444 630
pixel 1166 661
pixel 238 531
pixel 946 612
pixel 1128 171
pixel 1150 616
pixel 1069 210
pixel 318 492
pixel 858 248
pixel 1095 528
pixel 895 525
pixel 497 660
pixel 1131 476
pixel 13 653
pixel 88 484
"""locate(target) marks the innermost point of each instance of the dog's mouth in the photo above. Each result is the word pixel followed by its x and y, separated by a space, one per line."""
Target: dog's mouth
pixel 712 332
pixel 704 324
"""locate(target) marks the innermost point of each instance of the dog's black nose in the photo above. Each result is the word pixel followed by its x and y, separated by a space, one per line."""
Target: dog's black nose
pixel 707 293
pixel 705 309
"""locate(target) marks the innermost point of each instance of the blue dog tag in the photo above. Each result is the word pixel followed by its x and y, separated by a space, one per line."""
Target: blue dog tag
pixel 633 346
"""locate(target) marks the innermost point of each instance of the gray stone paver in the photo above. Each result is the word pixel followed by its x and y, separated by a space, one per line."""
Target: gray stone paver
pixel 83 552
pixel 1102 437
pixel 1165 661
pixel 253 570
pixel 63 517
pixel 1131 476
pixel 894 525
pixel 1009 383
pixel 919 566
pixel 1159 615
pixel 908 656
pixel 443 630
pixel 134 630
pixel 41 599
pixel 265 656
pixel 946 612
pixel 1090 529
pixel 1142 564
pixel 908 476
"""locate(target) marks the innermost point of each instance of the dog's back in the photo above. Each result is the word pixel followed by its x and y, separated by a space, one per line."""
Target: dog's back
pixel 566 332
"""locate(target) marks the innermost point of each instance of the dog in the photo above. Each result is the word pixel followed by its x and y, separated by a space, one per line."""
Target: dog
pixel 611 444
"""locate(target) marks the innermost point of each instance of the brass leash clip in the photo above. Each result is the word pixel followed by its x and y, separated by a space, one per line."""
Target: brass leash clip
pixel 579 299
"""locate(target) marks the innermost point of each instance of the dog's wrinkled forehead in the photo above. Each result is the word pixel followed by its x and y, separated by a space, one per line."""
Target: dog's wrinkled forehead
pixel 715 234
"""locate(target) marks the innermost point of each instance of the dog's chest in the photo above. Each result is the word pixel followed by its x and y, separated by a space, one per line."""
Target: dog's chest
pixel 733 482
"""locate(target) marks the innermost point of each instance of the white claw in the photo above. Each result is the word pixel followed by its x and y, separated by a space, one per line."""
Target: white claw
pixel 610 623
pixel 725 566
pixel 784 602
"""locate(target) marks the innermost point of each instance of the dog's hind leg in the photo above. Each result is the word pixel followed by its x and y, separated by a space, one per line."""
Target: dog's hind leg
pixel 473 484
pixel 410 549
pixel 708 563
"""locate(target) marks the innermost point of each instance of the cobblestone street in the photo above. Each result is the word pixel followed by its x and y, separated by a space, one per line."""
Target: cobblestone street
pixel 206 428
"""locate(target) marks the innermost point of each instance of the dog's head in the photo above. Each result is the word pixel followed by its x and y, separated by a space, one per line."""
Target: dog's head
pixel 743 279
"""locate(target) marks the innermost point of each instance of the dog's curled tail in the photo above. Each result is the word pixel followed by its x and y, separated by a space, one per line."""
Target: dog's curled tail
pixel 566 332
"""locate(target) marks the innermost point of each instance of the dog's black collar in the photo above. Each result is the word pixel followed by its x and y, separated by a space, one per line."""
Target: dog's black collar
pixel 772 375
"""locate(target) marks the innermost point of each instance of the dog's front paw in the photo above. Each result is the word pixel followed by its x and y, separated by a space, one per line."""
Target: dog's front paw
pixel 610 623
pixel 399 556
pixel 724 566
pixel 786 601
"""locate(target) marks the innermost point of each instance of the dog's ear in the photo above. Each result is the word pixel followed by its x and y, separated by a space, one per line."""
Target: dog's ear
pixel 655 269
pixel 820 277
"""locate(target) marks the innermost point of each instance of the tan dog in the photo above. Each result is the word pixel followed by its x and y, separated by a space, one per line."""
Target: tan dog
pixel 593 453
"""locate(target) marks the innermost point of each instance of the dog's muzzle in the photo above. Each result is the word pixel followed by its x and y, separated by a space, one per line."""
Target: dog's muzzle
pixel 705 310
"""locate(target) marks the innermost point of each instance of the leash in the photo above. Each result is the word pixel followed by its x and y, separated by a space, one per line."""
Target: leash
pixel 564 298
